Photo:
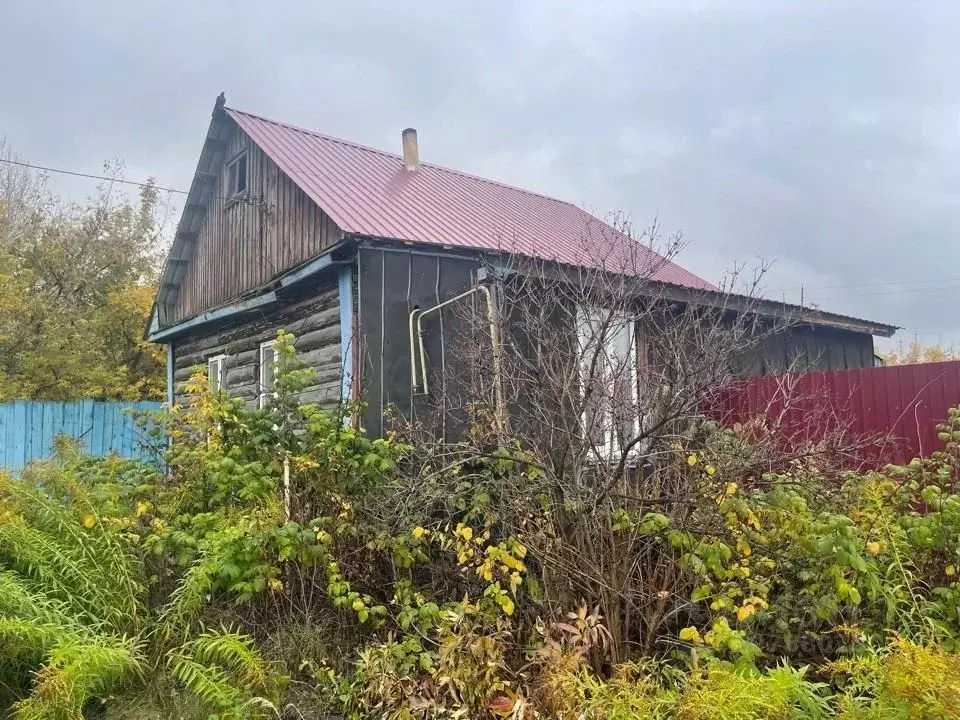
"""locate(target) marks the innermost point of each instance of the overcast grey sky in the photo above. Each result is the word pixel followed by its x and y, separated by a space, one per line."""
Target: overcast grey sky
pixel 822 135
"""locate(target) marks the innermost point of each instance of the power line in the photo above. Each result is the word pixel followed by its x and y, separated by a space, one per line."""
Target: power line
pixel 906 291
pixel 801 288
pixel 92 176
pixel 854 286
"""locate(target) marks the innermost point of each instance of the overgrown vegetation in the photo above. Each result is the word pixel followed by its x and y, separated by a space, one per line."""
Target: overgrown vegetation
pixel 285 564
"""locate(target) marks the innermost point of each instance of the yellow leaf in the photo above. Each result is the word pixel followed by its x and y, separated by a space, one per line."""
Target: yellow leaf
pixel 358 605
pixel 465 531
pixel 142 509
pixel 691 634
pixel 950 571
pixel 710 470
pixel 745 611
pixel 874 547
pixel 507 605
pixel 89 521
pixel 691 460
pixel 731 488
pixel 418 532
pixel 276 585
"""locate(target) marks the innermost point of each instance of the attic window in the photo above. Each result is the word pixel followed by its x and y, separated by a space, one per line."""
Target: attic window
pixel 237 176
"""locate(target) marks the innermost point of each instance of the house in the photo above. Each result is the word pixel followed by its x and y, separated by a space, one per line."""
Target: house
pixel 353 249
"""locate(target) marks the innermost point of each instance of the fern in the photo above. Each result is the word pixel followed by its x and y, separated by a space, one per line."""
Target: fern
pixel 89 569
pixel 210 684
pixel 236 653
pixel 69 591
pixel 19 599
pixel 189 597
pixel 225 671
pixel 78 670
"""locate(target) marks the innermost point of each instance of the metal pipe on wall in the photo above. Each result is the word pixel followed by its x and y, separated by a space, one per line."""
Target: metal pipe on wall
pixel 416 319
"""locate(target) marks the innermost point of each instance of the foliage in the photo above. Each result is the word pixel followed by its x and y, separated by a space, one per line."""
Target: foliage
pixel 916 352
pixel 76 289
pixel 283 558
pixel 902 680
pixel 70 606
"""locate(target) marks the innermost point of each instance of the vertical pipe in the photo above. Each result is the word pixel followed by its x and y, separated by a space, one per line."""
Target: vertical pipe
pixel 286 489
pixel 383 340
pixel 497 370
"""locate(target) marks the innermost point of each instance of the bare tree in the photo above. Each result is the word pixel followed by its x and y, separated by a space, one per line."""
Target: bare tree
pixel 578 409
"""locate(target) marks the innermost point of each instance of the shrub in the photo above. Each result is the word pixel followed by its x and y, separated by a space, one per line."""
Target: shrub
pixel 284 557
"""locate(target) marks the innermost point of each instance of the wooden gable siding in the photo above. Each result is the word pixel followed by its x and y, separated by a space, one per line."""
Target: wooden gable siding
pixel 242 245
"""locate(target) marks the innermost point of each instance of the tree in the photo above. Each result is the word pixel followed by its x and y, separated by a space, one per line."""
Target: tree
pixel 577 416
pixel 76 286
pixel 916 352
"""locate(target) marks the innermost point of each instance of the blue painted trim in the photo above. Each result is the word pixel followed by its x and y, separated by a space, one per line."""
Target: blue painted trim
pixel 305 271
pixel 170 360
pixel 345 286
pixel 212 315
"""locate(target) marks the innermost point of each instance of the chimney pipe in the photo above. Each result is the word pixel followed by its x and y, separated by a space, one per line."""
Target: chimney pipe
pixel 411 153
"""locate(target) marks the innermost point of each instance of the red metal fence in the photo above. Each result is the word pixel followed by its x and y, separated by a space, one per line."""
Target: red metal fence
pixel 901 404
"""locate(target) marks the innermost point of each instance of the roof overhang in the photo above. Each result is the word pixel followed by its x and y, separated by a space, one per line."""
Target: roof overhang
pixel 714 299
pixel 793 314
pixel 223 312
pixel 257 300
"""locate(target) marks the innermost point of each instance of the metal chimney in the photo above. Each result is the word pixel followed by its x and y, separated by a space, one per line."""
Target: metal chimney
pixel 411 152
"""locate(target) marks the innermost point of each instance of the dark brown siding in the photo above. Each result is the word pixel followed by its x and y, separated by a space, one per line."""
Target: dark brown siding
pixel 804 348
pixel 242 245
pixel 394 282
pixel 314 321
pixel 391 284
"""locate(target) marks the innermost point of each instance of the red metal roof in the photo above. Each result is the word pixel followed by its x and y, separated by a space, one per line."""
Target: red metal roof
pixel 369 192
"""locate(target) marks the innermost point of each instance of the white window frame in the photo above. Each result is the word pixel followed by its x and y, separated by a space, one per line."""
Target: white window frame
pixel 611 444
pixel 233 176
pixel 264 393
pixel 217 382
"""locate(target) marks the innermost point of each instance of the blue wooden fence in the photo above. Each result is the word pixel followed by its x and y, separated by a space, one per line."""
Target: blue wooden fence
pixel 28 428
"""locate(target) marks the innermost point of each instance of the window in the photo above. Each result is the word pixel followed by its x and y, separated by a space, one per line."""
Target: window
pixel 237 176
pixel 608 380
pixel 216 372
pixel 268 359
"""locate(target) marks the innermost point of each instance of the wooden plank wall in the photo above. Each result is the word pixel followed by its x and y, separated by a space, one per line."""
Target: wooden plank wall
pixel 315 321
pixel 242 245
pixel 28 429
pixel 805 348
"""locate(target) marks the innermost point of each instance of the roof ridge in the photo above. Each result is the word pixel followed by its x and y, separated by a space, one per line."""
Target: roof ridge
pixel 395 156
